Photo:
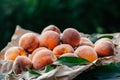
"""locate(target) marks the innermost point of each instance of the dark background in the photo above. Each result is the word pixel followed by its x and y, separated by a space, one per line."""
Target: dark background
pixel 87 16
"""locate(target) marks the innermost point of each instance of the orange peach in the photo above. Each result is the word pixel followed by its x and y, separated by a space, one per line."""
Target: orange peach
pixel 20 64
pixel 51 28
pixel 86 52
pixel 71 36
pixel 29 42
pixel 85 41
pixel 42 58
pixel 13 52
pixel 104 48
pixel 104 39
pixel 49 39
pixel 36 50
pixel 62 49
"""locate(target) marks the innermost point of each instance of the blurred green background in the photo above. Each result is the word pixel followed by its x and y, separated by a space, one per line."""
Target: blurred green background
pixel 88 16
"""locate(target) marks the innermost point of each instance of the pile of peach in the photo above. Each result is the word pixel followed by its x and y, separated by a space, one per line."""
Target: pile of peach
pixel 43 49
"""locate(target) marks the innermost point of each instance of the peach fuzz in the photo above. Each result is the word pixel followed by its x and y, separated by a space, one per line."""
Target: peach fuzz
pixel 36 50
pixel 51 28
pixel 104 48
pixel 29 42
pixel 104 39
pixel 20 64
pixel 12 52
pixel 86 52
pixel 71 36
pixel 85 41
pixel 62 49
pixel 43 58
pixel 49 39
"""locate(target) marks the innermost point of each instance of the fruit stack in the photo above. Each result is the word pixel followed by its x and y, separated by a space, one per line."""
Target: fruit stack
pixel 40 50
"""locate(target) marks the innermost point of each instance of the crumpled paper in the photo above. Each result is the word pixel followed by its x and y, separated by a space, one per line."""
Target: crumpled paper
pixel 62 72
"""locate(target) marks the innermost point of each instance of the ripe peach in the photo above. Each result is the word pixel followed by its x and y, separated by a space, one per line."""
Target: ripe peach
pixel 29 42
pixel 62 49
pixel 71 36
pixel 13 52
pixel 49 39
pixel 104 48
pixel 51 28
pixel 69 54
pixel 85 41
pixel 36 50
pixel 20 64
pixel 104 39
pixel 86 52
pixel 42 58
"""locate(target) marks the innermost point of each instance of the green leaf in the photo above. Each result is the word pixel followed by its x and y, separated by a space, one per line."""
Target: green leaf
pixel 106 36
pixel 94 37
pixel 49 68
pixel 11 73
pixel 32 71
pixel 72 61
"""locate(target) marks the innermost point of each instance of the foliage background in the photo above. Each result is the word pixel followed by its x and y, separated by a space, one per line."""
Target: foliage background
pixel 88 16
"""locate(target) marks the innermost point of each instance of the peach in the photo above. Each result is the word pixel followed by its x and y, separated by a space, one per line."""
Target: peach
pixel 29 42
pixel 86 52
pixel 49 39
pixel 51 28
pixel 20 64
pixel 13 52
pixel 62 49
pixel 71 36
pixel 85 41
pixel 104 39
pixel 36 50
pixel 42 58
pixel 104 48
